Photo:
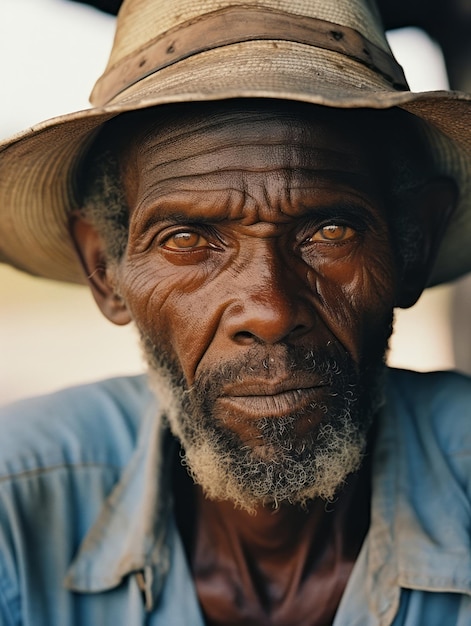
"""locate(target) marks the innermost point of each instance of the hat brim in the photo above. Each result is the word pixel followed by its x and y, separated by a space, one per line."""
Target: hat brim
pixel 37 167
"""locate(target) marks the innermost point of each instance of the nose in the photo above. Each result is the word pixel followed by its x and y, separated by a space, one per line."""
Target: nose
pixel 271 305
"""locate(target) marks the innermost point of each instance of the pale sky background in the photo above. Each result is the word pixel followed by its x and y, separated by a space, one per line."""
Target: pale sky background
pixel 51 52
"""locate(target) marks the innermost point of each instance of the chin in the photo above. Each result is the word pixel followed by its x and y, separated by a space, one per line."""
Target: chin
pixel 274 472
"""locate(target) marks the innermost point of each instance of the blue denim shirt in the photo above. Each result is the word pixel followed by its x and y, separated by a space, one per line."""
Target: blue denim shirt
pixel 87 535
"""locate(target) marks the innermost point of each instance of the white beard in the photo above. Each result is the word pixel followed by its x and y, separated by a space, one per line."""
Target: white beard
pixel 285 468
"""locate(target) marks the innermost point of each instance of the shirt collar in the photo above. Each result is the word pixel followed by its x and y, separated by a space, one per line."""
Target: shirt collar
pixel 418 537
pixel 131 532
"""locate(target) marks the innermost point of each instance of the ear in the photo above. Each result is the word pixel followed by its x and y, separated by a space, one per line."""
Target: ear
pixel 433 204
pixel 91 251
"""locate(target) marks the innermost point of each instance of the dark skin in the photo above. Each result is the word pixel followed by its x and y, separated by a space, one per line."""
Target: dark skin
pixel 291 567
pixel 262 228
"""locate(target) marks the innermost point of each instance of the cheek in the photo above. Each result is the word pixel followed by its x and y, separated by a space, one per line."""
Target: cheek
pixel 176 309
pixel 357 296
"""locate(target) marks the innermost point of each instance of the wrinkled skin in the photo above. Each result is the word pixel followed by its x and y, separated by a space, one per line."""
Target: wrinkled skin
pixel 281 236
pixel 253 233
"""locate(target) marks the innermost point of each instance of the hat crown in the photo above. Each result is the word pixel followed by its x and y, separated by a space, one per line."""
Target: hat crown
pixel 142 23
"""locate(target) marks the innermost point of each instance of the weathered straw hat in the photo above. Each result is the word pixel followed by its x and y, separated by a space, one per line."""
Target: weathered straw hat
pixel 327 52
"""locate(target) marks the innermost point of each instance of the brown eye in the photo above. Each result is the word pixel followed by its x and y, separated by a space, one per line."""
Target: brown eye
pixel 187 240
pixel 333 232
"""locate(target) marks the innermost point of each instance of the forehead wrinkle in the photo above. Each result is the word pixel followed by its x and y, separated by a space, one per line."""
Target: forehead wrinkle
pixel 167 133
pixel 241 198
pixel 219 157
pixel 292 179
pixel 205 205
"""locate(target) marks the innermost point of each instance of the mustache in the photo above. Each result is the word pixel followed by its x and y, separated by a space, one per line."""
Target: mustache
pixel 304 367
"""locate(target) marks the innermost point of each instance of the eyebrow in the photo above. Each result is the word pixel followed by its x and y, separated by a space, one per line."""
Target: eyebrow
pixel 347 210
pixel 181 218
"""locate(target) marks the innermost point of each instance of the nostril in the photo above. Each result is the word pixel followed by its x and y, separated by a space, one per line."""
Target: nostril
pixel 297 330
pixel 243 337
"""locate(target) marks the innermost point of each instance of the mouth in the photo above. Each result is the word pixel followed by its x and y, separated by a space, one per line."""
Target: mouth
pixel 257 400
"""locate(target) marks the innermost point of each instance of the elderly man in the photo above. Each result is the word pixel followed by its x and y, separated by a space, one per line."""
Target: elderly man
pixel 256 190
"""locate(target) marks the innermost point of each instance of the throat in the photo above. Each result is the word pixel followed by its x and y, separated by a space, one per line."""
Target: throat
pixel 278 566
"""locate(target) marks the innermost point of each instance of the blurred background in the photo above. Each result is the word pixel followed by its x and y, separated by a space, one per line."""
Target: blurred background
pixel 52 335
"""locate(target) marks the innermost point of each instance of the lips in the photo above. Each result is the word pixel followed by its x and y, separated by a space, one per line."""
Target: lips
pixel 271 386
pixel 256 399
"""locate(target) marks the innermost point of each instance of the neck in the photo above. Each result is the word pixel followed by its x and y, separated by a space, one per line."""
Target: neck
pixel 284 565
pixel 266 532
pixel 277 532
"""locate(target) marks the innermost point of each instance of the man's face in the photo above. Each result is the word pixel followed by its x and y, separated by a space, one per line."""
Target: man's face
pixel 261 276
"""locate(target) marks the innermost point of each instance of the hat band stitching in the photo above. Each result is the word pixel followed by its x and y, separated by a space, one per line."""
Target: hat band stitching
pixel 241 24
